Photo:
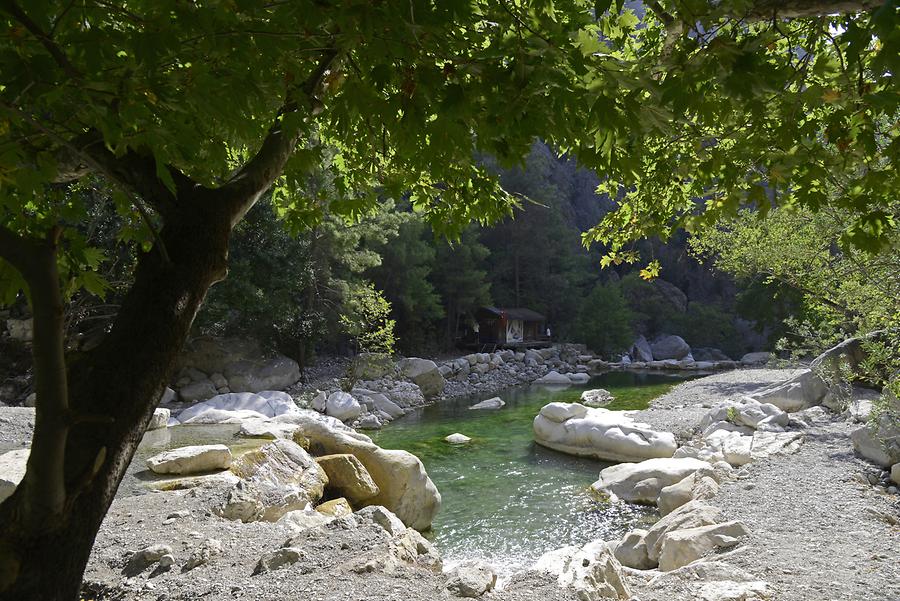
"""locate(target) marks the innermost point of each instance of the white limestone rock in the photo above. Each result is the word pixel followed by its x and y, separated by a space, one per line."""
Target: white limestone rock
pixel 191 460
pixel 12 470
pixel 683 546
pixel 757 358
pixel 234 407
pixel 690 515
pixel 765 444
pixel 425 374
pixel 457 438
pixel 274 480
pixel 642 482
pixel 307 518
pixel 159 419
pixel 343 406
pixel 595 432
pixel 404 486
pixel 689 488
pixel 591 571
pixel 631 551
pixel 803 391
pixel 597 397
pixel 471 579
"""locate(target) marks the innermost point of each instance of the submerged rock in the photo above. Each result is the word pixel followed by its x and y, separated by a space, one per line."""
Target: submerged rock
pixel 598 397
pixel 493 403
pixel 609 435
pixel 554 378
pixel 457 438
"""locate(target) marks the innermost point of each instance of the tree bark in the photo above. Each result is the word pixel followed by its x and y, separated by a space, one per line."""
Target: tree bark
pixel 113 392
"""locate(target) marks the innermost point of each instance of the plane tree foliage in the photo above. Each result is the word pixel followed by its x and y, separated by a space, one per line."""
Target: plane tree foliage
pixel 189 112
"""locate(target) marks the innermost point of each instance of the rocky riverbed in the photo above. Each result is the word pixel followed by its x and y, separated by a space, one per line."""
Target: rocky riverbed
pixel 817 522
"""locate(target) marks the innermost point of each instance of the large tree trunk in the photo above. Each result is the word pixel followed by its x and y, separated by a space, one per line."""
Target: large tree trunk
pixel 113 392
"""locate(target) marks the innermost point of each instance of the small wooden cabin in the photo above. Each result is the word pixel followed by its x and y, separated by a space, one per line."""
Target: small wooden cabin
pixel 511 328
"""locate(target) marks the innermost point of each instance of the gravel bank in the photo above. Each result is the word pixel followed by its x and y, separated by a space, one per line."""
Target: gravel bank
pixel 818 532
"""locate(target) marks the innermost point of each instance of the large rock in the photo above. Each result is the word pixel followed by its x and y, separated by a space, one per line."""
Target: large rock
pixel 471 579
pixel 684 491
pixel 191 460
pixel 348 478
pixel 20 329
pixel 12 470
pixel 765 444
pixel 879 442
pixel 554 378
pixel 631 551
pixel 641 350
pixel 276 373
pixel 671 293
pixel 404 486
pixel 198 391
pixel 591 571
pixel 683 546
pixel 803 391
pixel 670 347
pixel 242 362
pixel 236 407
pixel 425 374
pixel 343 406
pixel 381 403
pixel 609 435
pixel 756 358
pixel 895 473
pixel 734 447
pixel 159 419
pixel 281 476
pixel 689 515
pixel 642 482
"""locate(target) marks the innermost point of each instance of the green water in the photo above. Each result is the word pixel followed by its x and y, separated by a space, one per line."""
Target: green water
pixel 506 499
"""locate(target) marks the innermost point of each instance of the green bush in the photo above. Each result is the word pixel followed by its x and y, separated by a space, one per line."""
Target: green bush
pixel 605 321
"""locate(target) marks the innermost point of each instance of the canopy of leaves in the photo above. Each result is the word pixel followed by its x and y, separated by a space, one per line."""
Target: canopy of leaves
pixel 722 105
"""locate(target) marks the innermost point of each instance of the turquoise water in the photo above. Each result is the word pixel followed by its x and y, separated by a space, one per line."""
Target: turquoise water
pixel 506 499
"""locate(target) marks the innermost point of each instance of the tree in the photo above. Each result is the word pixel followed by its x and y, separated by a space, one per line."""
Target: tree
pixel 461 279
pixel 407 264
pixel 605 321
pixel 190 113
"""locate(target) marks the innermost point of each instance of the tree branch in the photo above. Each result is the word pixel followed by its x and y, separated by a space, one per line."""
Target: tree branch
pixel 258 174
pixel 46 41
pixel 794 9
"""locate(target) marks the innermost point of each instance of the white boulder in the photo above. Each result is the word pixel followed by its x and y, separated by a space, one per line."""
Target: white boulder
pixel 608 435
pixel 757 358
pixel 642 482
pixel 457 438
pixel 689 515
pixel 159 419
pixel 765 444
pixel 235 407
pixel 12 470
pixel 343 406
pixel 803 391
pixel 641 351
pixel 578 378
pixel 631 551
pixel 191 460
pixel 683 546
pixel 591 571
pixel 404 486
pixel 689 488
pixel 471 579
pixel 425 374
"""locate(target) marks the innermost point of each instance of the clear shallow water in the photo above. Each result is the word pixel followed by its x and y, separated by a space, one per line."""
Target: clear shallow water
pixel 506 499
